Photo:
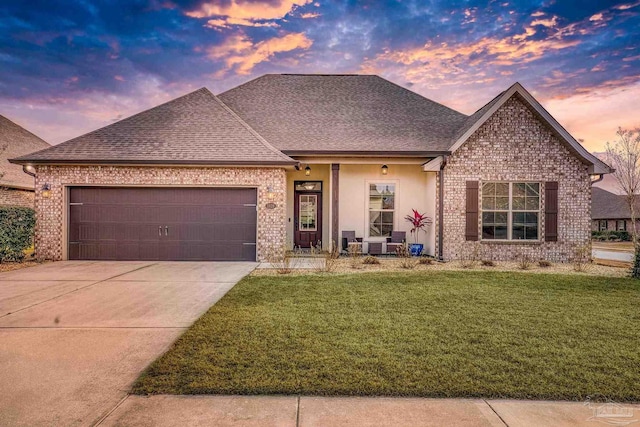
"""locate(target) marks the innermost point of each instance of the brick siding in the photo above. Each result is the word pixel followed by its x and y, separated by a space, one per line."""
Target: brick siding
pixel 49 238
pixel 14 197
pixel 514 145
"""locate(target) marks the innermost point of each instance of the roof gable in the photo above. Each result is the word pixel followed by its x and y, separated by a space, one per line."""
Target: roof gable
pixel 311 113
pixel 196 128
pixel 18 141
pixel 482 115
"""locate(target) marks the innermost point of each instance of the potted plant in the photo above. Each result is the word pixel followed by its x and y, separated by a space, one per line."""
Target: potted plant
pixel 418 223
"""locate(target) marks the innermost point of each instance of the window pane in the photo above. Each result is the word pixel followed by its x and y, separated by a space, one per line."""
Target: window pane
pixel 387 217
pixel 388 202
pixel 501 233
pixel 386 230
pixel 487 217
pixel 518 232
pixel 502 189
pixel 533 189
pixel 518 218
pixel 488 233
pixel 502 203
pixel 532 203
pixel 532 218
pixel 488 202
pixel 488 189
pixel 532 233
pixel 518 203
pixel 518 190
pixel 375 202
pixel 501 218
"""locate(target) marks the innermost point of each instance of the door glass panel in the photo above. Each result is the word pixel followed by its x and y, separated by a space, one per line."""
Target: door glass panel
pixel 307 212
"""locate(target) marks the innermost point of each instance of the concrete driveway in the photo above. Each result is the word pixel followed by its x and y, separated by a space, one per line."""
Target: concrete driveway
pixel 75 335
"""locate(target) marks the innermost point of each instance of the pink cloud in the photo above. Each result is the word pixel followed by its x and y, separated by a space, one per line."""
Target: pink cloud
pixel 244 13
pixel 240 53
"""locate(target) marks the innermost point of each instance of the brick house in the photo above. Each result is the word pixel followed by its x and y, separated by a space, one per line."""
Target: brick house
pixel 610 212
pixel 296 160
pixel 16 187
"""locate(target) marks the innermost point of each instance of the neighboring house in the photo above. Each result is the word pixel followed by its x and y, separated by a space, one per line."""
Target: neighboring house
pixel 295 160
pixel 610 212
pixel 16 187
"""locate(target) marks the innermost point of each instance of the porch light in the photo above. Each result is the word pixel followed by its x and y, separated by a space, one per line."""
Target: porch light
pixel 46 191
pixel 270 193
pixel 307 170
pixel 385 169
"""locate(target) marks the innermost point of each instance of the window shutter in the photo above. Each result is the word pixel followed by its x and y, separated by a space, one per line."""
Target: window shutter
pixel 551 211
pixel 471 229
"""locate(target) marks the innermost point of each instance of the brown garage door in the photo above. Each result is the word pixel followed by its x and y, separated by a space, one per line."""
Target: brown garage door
pixel 165 224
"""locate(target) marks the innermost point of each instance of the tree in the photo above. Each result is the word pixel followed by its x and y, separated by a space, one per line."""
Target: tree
pixel 624 157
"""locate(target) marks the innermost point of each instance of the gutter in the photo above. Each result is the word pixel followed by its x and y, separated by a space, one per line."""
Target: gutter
pixel 29 162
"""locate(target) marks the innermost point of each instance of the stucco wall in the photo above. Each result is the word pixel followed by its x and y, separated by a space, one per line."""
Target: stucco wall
pixel 415 189
pixel 13 197
pixel 50 239
pixel 514 145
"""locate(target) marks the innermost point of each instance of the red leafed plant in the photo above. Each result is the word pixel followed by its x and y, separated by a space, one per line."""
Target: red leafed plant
pixel 418 222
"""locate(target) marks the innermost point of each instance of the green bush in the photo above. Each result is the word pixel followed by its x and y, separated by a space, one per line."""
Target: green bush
pixel 624 236
pixel 16 232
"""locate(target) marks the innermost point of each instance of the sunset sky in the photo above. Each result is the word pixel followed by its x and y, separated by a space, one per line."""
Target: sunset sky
pixel 68 67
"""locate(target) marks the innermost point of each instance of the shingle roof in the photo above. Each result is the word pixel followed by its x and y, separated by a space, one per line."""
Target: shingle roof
pixel 196 128
pixel 18 141
pixel 342 113
pixel 606 205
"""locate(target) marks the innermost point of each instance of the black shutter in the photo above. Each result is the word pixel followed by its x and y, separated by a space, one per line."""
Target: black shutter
pixel 551 211
pixel 471 229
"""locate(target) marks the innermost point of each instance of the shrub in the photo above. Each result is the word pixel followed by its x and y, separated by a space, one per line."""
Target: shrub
pixel 603 236
pixel 488 263
pixel 544 263
pixel 581 258
pixel 425 260
pixel 524 261
pixel 370 260
pixel 16 232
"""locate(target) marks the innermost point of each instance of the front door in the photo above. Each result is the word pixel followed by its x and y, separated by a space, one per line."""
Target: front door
pixel 308 219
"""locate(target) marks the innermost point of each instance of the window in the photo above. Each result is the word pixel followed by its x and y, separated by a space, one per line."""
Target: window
pixel 602 226
pixel 621 225
pixel 510 211
pixel 308 212
pixel 381 209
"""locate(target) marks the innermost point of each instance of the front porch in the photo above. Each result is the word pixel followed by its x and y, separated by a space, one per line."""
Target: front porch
pixel 325 198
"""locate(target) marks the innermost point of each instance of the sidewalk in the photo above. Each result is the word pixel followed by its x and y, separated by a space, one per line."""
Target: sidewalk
pixel 294 411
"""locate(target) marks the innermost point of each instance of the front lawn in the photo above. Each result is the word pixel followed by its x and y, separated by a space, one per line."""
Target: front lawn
pixel 438 334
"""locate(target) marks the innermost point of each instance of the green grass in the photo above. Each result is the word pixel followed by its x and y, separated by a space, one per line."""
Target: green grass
pixel 446 334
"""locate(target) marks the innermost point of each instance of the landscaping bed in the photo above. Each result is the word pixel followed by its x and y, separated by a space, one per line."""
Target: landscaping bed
pixel 422 333
pixel 346 264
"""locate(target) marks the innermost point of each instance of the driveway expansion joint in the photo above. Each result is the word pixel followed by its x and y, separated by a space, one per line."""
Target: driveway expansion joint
pixel 495 412
pixel 75 290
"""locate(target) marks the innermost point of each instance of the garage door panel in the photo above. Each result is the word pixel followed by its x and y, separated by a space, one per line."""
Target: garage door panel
pixel 162 223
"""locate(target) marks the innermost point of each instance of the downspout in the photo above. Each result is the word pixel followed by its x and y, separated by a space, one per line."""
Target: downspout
pixel 441 206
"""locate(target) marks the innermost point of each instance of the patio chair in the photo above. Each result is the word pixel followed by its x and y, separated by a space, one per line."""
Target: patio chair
pixel 397 239
pixel 349 237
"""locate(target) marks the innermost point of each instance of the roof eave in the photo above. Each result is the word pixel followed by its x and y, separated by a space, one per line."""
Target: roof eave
pixel 338 153
pixel 131 162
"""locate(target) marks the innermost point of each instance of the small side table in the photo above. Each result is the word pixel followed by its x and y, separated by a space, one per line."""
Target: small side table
pixel 375 248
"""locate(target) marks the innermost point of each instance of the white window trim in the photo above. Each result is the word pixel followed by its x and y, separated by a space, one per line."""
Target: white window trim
pixel 367 183
pixel 511 211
